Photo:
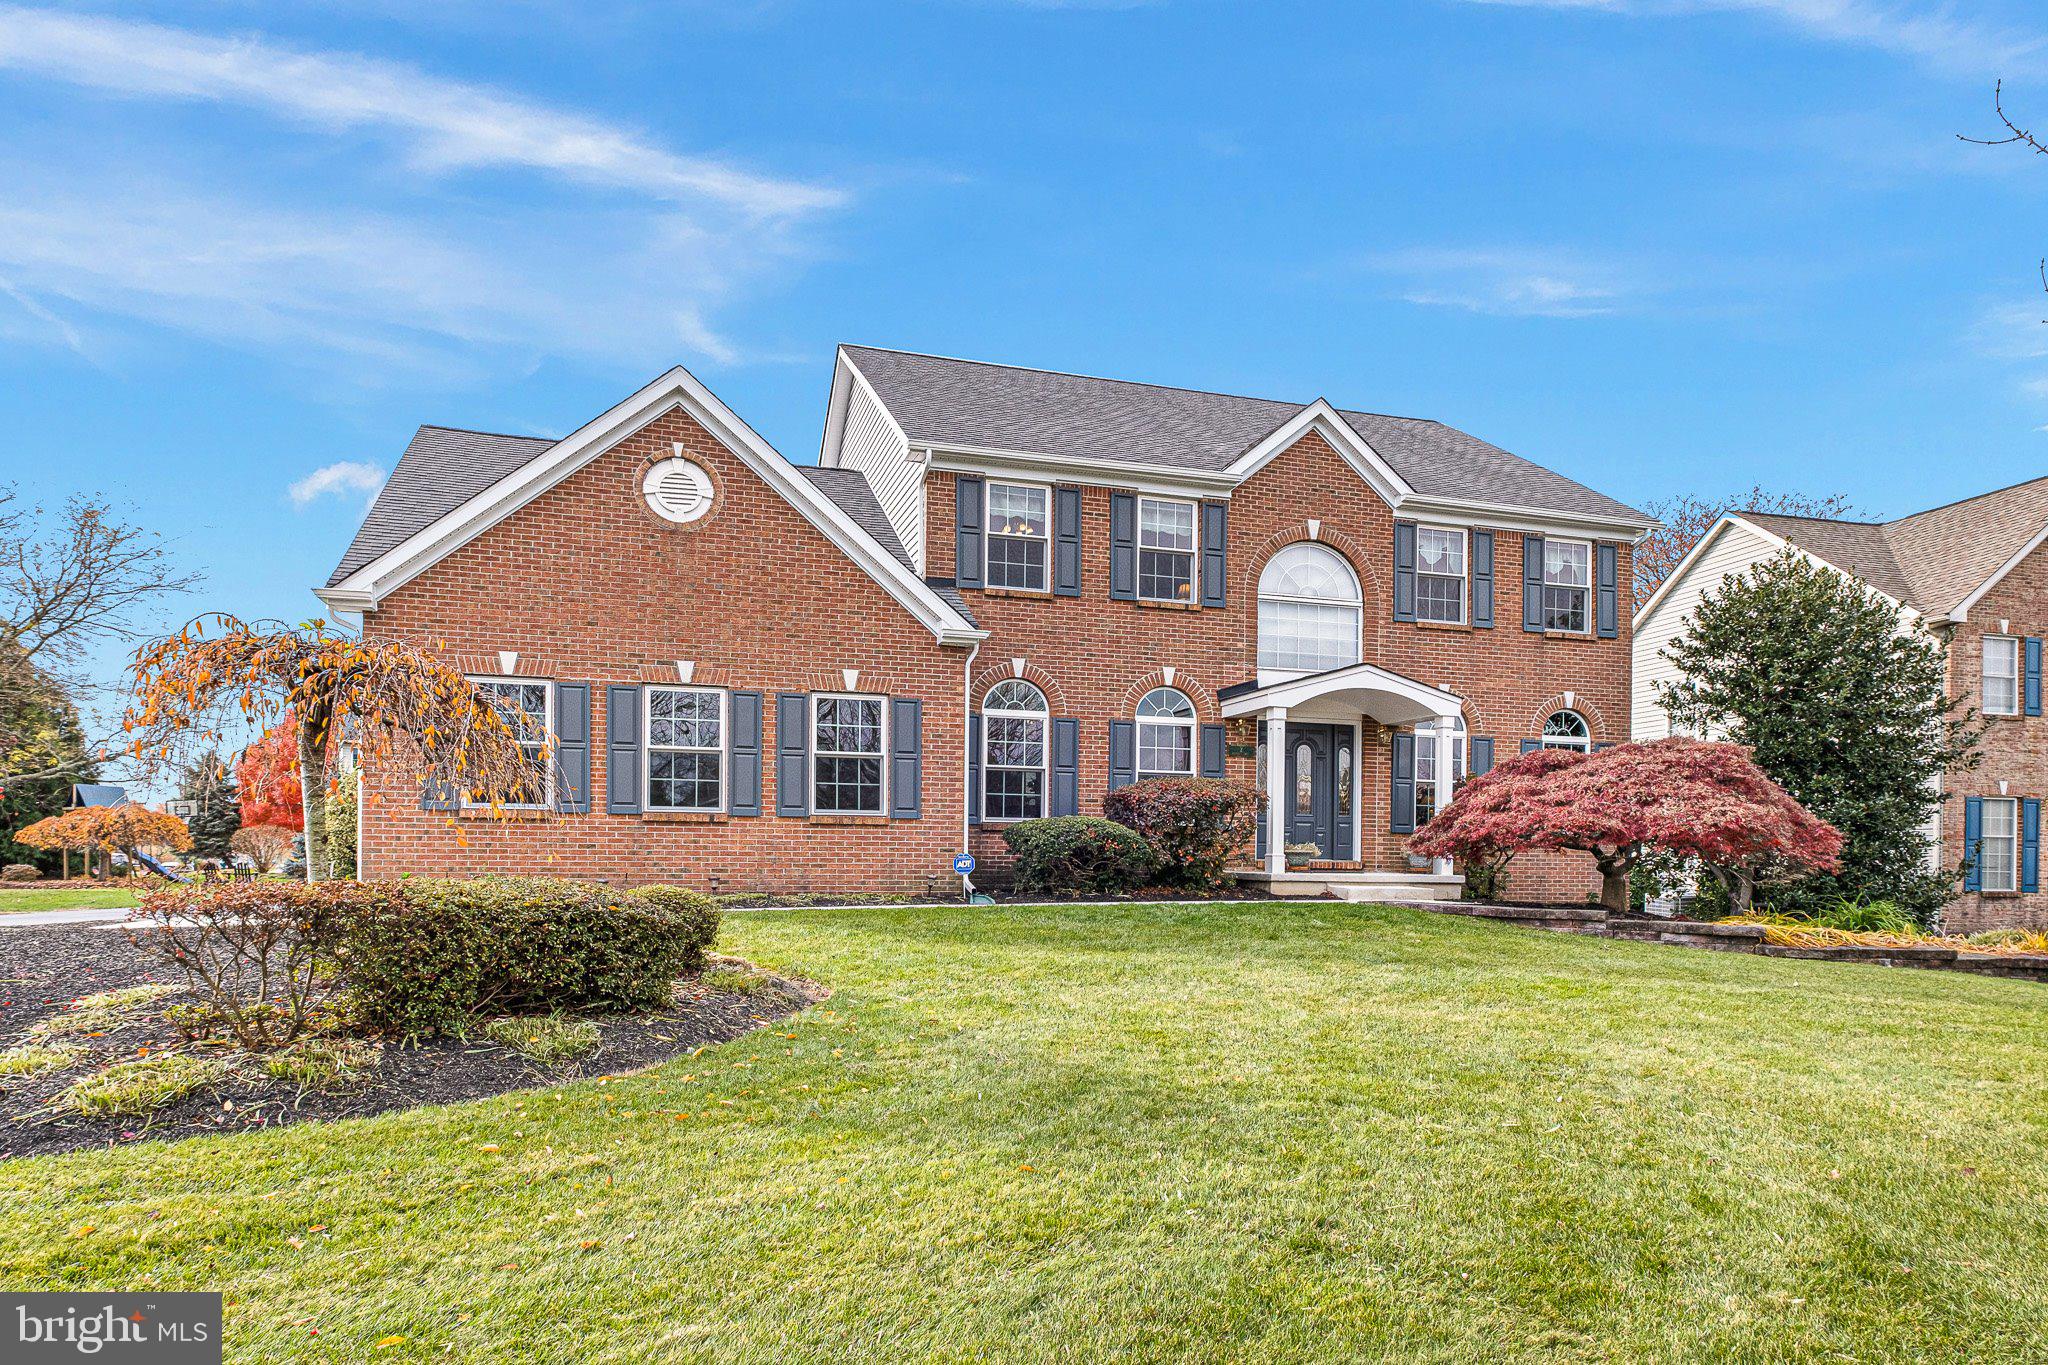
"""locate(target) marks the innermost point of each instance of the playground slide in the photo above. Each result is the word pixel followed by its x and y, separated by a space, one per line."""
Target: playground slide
pixel 154 866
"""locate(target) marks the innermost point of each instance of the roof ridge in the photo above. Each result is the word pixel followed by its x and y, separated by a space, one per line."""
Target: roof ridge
pixel 473 431
pixel 1797 516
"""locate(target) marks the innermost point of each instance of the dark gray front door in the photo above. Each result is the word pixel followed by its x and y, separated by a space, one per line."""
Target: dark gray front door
pixel 1319 761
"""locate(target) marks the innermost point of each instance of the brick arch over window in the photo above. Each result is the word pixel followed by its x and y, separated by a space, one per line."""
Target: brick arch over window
pixel 871 681
pixel 1182 682
pixel 1055 695
pixel 528 665
pixel 1580 703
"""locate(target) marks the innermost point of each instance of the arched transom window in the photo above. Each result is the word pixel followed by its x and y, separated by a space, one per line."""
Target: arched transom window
pixel 1166 734
pixel 1566 730
pixel 1308 610
pixel 1013 720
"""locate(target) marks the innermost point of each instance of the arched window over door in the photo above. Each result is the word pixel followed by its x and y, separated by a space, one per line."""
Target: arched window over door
pixel 1309 610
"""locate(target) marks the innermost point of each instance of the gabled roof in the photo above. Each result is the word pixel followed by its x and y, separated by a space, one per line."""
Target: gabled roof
pixel 442 468
pixel 1938 561
pixel 97 794
pixel 856 497
pixel 971 404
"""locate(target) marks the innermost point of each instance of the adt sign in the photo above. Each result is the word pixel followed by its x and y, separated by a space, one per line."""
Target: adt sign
pixel 964 863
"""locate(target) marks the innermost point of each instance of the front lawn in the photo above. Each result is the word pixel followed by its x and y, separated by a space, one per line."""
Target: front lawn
pixel 15 898
pixel 1246 1131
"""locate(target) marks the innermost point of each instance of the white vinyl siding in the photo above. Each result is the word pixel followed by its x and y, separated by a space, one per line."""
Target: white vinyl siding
pixel 1736 548
pixel 873 444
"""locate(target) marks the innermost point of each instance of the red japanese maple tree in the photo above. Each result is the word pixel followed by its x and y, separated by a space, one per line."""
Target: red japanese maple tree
pixel 1698 799
pixel 268 773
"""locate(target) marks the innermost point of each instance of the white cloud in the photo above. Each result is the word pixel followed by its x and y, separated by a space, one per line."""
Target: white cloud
pixel 344 476
pixel 1505 281
pixel 1926 33
pixel 446 125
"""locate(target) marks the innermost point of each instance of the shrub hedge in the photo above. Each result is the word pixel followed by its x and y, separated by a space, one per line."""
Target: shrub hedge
pixel 1195 823
pixel 1079 855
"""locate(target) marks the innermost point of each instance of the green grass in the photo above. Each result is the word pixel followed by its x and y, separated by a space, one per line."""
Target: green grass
pixel 30 1059
pixel 322 1063
pixel 135 1089
pixel 545 1038
pixel 18 898
pixel 1242 1132
pixel 97 1013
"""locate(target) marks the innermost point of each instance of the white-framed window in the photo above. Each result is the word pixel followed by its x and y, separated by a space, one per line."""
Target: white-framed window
pixel 1425 767
pixel 528 706
pixel 1567 730
pixel 1309 610
pixel 1568 585
pixel 848 742
pixel 1019 536
pixel 1166 550
pixel 1440 574
pixel 686 733
pixel 1166 734
pixel 1998 864
pixel 1013 751
pixel 2001 675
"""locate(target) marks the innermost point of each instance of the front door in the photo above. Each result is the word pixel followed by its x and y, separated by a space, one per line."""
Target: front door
pixel 1317 798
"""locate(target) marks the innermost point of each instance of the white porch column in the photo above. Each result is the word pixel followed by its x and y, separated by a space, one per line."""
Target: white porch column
pixel 1276 779
pixel 1446 740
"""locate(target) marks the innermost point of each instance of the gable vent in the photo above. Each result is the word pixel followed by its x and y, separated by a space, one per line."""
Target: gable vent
pixel 677 490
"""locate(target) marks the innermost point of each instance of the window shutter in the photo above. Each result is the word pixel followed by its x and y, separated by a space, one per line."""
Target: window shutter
pixel 2030 845
pixel 970 508
pixel 1530 746
pixel 1973 835
pixel 1402 793
pixel 622 749
pixel 2033 675
pixel 974 768
pixel 1607 590
pixel 1215 550
pixel 906 758
pixel 1404 571
pixel 1482 579
pixel 793 754
pixel 1066 768
pixel 1212 751
pixel 572 747
pixel 1066 542
pixel 1479 755
pixel 1123 753
pixel 1123 546
pixel 745 798
pixel 1532 583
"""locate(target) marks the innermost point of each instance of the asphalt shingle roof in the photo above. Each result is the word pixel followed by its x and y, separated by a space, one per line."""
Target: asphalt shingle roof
pixel 1045 412
pixel 849 488
pixel 441 469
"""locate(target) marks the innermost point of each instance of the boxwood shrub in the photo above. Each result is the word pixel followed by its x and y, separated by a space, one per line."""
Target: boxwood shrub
pixel 1079 855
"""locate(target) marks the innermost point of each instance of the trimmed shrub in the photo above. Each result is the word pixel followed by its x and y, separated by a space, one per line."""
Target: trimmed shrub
pixel 21 872
pixel 1079 855
pixel 696 917
pixel 447 952
pixel 1197 824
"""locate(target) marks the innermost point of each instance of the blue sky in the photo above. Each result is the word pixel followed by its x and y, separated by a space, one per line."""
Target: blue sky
pixel 1660 245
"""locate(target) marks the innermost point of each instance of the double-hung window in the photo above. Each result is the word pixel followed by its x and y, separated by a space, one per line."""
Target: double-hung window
pixel 1013 721
pixel 1439 574
pixel 1425 768
pixel 1998 849
pixel 685 749
pixel 1166 734
pixel 1166 550
pixel 527 705
pixel 2001 675
pixel 1019 536
pixel 1567 585
pixel 846 755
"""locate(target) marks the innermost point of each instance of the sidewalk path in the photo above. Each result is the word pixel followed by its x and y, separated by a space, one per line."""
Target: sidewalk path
pixel 42 919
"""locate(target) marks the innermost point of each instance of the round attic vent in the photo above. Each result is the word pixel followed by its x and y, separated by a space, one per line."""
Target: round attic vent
pixel 677 490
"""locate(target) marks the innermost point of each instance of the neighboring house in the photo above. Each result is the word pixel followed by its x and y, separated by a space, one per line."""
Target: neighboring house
pixel 84 794
pixel 1973 573
pixel 1001 593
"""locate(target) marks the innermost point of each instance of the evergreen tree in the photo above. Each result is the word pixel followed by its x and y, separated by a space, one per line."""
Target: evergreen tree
pixel 45 724
pixel 208 783
pixel 1844 707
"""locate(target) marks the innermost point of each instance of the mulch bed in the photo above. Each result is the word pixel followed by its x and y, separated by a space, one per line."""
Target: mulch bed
pixel 42 970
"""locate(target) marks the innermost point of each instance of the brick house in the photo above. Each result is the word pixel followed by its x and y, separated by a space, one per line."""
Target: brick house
pixel 1974 574
pixel 1000 593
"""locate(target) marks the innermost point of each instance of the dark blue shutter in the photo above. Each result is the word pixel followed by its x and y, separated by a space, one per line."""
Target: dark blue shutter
pixel 622 749
pixel 2030 845
pixel 1212 751
pixel 2033 675
pixel 793 754
pixel 1479 756
pixel 1215 549
pixel 1607 590
pixel 746 754
pixel 1066 768
pixel 572 747
pixel 1973 835
pixel 970 507
pixel 1401 793
pixel 1123 546
pixel 1066 542
pixel 1532 583
pixel 974 769
pixel 1482 579
pixel 1123 753
pixel 906 758
pixel 1404 571
pixel 1530 746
